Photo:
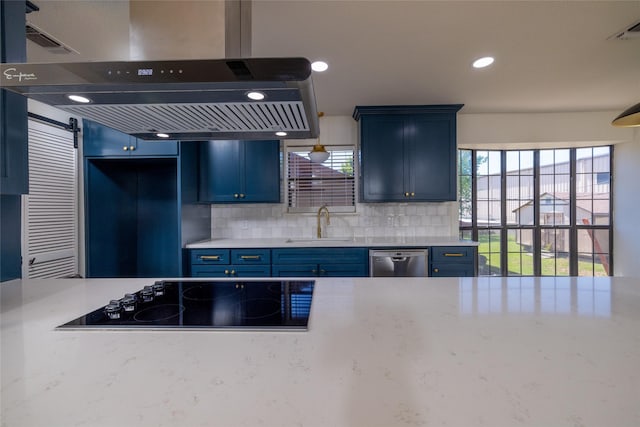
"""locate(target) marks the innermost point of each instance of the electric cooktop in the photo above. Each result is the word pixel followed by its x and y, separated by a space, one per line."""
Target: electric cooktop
pixel 201 305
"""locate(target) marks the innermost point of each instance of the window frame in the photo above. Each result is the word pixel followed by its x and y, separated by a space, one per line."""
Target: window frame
pixel 473 230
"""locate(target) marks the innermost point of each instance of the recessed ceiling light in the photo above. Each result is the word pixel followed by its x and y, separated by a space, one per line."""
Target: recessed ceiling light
pixel 281 133
pixel 78 98
pixel 162 135
pixel 319 66
pixel 483 62
pixel 256 96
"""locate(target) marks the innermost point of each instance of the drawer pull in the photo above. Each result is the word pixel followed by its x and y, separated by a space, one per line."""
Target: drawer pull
pixel 435 270
pixel 209 257
pixel 453 254
pixel 249 256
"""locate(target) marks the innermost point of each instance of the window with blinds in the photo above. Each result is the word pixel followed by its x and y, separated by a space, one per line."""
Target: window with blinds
pixel 311 185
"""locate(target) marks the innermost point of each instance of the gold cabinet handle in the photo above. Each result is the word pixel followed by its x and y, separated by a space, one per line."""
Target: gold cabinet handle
pixel 413 194
pixel 314 271
pixel 249 256
pixel 241 195
pixel 236 195
pixel 132 147
pixel 125 148
pixel 322 272
pixel 233 272
pixel 209 257
pixel 435 270
pixel 453 254
pixel 406 194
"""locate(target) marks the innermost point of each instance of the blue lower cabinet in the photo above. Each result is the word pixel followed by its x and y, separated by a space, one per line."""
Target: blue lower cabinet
pixel 320 262
pixel 453 261
pixel 295 270
pixel 343 270
pixel 230 262
pixel 231 270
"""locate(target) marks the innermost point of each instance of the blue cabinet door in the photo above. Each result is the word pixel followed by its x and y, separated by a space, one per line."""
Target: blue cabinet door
pixel 383 158
pixel 432 158
pixel 14 159
pixel 103 141
pixel 261 171
pixel 220 171
pixel 342 270
pixel 240 171
pixel 230 271
pixel 295 270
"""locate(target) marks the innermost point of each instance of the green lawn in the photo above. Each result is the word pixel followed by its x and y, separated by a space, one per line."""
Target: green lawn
pixel 522 263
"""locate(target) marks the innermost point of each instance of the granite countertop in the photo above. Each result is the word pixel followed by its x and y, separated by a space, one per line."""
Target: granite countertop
pixel 459 352
pixel 302 242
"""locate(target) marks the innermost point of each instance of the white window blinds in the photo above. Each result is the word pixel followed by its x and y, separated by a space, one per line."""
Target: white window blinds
pixel 311 185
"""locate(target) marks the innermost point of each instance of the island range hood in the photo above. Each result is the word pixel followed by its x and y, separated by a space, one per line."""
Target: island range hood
pixel 199 99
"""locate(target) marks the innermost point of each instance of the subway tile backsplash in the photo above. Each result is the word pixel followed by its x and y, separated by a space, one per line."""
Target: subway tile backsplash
pixel 384 220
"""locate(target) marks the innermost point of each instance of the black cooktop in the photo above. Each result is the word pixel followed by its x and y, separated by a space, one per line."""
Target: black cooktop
pixel 184 304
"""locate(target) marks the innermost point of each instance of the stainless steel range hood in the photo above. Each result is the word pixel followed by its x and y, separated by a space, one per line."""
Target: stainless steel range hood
pixel 187 99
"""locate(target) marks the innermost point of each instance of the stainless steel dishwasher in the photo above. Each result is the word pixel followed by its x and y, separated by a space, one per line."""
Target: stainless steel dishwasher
pixel 398 262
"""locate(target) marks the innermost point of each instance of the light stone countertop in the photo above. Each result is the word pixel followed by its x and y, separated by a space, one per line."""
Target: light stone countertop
pixel 543 352
pixel 302 242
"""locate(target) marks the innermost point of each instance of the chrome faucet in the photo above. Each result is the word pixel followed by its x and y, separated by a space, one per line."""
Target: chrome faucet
pixel 322 209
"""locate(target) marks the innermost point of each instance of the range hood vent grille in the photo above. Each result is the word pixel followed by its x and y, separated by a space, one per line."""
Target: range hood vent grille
pixel 235 119
pixel 46 41
pixel 630 32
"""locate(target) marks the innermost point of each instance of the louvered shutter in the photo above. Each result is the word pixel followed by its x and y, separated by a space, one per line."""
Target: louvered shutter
pixel 50 210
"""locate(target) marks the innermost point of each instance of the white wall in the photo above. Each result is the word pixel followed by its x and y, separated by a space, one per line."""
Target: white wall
pixel 626 205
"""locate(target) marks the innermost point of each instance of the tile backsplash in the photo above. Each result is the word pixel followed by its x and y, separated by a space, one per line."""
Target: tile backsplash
pixel 384 220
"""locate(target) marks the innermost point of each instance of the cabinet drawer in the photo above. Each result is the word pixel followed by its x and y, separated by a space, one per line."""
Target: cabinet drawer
pixel 210 256
pixel 250 256
pixel 320 255
pixel 463 254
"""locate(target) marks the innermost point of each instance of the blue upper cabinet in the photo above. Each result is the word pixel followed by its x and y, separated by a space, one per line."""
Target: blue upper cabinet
pixel 240 171
pixel 408 153
pixel 14 159
pixel 102 141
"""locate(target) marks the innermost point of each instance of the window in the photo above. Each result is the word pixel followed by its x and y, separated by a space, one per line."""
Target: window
pixel 311 185
pixel 538 212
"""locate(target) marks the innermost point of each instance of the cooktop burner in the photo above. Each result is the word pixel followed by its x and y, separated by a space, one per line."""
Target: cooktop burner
pixel 184 304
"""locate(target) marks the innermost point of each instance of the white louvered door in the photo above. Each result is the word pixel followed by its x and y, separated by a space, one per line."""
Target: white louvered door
pixel 50 210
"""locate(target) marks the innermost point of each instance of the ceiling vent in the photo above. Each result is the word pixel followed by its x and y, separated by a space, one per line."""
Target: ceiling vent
pixel 47 41
pixel 631 32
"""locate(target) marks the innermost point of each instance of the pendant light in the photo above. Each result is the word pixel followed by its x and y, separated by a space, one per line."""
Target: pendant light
pixel 319 154
pixel 629 117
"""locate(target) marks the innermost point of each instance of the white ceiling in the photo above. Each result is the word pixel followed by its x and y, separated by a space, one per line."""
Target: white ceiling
pixel 551 56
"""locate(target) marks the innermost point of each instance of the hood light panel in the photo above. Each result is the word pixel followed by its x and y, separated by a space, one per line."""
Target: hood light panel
pixel 79 98
pixel 256 96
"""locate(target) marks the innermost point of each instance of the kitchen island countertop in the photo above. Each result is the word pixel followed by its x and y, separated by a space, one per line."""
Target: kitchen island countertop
pixel 459 352
pixel 303 242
